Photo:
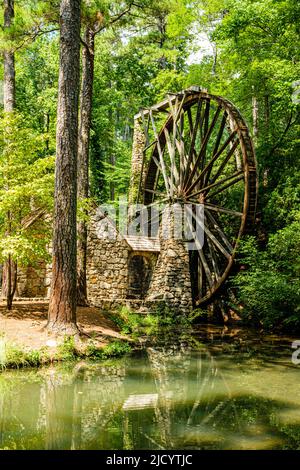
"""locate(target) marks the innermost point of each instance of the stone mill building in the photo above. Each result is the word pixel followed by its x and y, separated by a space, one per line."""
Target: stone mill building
pixel 193 150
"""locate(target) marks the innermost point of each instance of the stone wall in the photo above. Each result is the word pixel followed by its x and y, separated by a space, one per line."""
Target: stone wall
pixel 107 262
pixel 171 282
pixel 112 276
pixel 31 281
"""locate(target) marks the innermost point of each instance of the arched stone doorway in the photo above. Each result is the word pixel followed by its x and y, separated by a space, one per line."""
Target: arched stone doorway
pixel 139 276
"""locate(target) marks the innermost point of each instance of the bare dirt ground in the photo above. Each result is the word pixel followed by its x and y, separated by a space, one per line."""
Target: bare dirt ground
pixel 25 325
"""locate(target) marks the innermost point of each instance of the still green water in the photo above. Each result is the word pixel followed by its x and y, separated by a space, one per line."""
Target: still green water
pixel 209 389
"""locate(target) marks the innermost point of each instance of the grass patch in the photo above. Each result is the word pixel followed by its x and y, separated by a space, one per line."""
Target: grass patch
pixel 14 357
pixel 131 323
pixel 114 349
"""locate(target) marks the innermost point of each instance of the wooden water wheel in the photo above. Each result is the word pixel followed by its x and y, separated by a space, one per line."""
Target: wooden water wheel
pixel 199 151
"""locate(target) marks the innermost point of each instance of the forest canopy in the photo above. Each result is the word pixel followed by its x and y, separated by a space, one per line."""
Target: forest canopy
pixel 244 50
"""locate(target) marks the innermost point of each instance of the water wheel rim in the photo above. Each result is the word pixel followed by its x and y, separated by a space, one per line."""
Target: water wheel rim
pixel 249 171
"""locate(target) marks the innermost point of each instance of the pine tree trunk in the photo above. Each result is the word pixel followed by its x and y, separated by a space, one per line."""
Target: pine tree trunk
pixel 86 97
pixel 9 276
pixel 9 86
pixel 62 304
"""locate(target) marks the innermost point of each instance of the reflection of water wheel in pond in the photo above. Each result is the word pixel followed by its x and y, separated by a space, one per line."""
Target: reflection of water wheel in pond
pixel 193 397
pixel 199 151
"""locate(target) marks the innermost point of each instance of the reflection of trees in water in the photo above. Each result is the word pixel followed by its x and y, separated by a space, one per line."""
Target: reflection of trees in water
pixel 163 362
pixel 196 409
pixel 59 401
pixel 18 411
pixel 60 407
pixel 179 408
pixel 171 397
pixel 77 406
pixel 103 399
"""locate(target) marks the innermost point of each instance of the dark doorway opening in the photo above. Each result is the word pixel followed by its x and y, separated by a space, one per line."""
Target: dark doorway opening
pixel 139 274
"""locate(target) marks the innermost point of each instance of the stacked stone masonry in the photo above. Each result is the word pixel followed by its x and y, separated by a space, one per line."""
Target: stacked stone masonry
pixel 171 280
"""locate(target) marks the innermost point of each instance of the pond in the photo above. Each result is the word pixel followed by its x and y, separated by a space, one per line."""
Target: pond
pixel 212 388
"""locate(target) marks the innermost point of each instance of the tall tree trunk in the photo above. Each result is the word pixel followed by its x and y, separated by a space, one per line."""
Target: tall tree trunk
pixel 62 304
pixel 86 96
pixel 267 133
pixel 112 161
pixel 255 117
pixel 215 60
pixel 12 277
pixel 9 85
pixel 9 278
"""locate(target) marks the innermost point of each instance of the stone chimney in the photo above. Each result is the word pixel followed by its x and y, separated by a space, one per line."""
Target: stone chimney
pixel 139 141
pixel 171 281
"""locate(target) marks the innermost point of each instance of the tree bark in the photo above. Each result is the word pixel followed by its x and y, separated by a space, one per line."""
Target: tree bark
pixel 62 304
pixel 267 133
pixel 9 85
pixel 86 96
pixel 12 278
pixel 9 277
pixel 255 117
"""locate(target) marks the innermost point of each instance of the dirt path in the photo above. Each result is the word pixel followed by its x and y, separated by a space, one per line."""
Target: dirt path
pixel 24 324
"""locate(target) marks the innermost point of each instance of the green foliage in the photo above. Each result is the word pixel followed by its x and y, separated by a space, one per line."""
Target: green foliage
pixel 26 186
pixel 132 324
pixel 198 314
pixel 269 286
pixel 67 351
pixel 113 349
pixel 128 322
pixel 14 357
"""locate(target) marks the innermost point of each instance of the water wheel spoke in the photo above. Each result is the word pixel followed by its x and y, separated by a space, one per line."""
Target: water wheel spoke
pixel 206 268
pixel 218 229
pixel 220 133
pixel 161 158
pixel 181 126
pixel 238 175
pixel 179 143
pixel 193 139
pixel 200 278
pixel 190 119
pixel 152 191
pixel 172 152
pixel 150 145
pixel 217 243
pixel 201 255
pixel 214 260
pixel 176 108
pixel 205 124
pixel 182 159
pixel 225 161
pixel 209 234
pixel 224 210
pixel 215 152
pixel 175 113
pixel 157 202
pixel 202 151
pixel 210 164
pixel 206 116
